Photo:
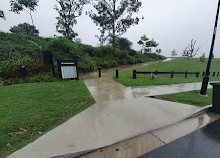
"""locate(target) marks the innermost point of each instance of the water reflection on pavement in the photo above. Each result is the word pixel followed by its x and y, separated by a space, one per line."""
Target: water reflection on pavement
pixel 106 89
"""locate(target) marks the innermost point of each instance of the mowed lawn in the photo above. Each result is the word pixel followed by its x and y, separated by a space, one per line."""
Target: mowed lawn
pixel 176 65
pixel 191 98
pixel 28 111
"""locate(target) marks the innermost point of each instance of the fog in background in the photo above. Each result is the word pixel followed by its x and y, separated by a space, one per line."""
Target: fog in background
pixel 172 23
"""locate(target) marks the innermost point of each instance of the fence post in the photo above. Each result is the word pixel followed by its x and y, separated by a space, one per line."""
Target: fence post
pixel 197 74
pixel 172 74
pixel 100 73
pixel 213 74
pixel 186 74
pixel 134 74
pixel 116 73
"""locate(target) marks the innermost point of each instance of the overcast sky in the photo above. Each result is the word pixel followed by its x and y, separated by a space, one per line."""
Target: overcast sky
pixel 172 23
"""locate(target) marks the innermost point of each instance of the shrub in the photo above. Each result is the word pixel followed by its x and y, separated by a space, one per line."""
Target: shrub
pixel 86 64
pixel 32 79
pixel 106 63
pixel 65 48
pixel 11 68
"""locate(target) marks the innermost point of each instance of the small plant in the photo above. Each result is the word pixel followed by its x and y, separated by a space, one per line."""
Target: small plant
pixel 190 51
pixel 202 58
pixel 174 53
pixel 147 44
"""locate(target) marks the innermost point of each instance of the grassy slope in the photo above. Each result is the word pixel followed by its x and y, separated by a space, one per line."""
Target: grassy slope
pixel 38 107
pixel 191 97
pixel 180 64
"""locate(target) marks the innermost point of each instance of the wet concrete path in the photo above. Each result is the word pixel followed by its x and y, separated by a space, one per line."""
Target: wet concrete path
pixel 106 89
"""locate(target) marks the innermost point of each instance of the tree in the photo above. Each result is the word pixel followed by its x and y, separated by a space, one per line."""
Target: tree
pixel 24 5
pixel 25 29
pixel 174 53
pixel 121 43
pixel 158 50
pixel 190 51
pixel 147 44
pixel 115 16
pixel 202 58
pixel 69 11
pixel 102 38
pixel 2 15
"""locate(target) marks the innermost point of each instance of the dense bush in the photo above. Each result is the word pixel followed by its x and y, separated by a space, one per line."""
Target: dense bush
pixel 31 79
pixel 17 50
pixel 86 64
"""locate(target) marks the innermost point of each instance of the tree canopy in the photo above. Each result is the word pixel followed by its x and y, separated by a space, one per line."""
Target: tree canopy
pixel 147 44
pixel 115 16
pixel 29 6
pixel 121 43
pixel 25 29
pixel 69 11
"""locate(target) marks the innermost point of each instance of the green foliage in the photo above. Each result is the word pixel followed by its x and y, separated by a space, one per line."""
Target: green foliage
pixel 38 107
pixel 147 44
pixel 65 48
pixel 17 50
pixel 114 16
pixel 31 79
pixel 11 68
pixel 121 43
pixel 2 15
pixel 68 12
pixel 25 29
pixel 87 64
pixel 20 5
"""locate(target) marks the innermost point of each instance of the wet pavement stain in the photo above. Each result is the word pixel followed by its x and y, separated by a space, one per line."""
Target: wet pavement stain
pixel 203 143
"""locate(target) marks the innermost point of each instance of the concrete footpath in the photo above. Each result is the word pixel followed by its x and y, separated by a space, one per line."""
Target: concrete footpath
pixel 104 124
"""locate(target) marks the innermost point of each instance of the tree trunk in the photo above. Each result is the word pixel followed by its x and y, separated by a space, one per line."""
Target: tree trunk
pixel 113 25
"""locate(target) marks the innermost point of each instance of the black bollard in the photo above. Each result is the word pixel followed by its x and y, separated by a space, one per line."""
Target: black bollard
pixel 134 74
pixel 213 74
pixel 186 74
pixel 172 74
pixel 100 75
pixel 117 71
pixel 197 74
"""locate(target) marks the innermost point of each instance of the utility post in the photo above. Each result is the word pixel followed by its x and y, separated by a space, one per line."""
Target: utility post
pixel 207 74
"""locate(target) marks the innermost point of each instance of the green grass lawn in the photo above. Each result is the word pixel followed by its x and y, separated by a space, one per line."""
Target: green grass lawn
pixel 29 110
pixel 191 97
pixel 178 65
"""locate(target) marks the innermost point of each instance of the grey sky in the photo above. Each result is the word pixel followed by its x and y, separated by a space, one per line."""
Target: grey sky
pixel 172 23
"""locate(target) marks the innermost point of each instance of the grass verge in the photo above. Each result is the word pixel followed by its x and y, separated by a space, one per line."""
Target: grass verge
pixel 191 97
pixel 178 65
pixel 29 110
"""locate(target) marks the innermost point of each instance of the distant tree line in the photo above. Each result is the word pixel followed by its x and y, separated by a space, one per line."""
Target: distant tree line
pixel 113 17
